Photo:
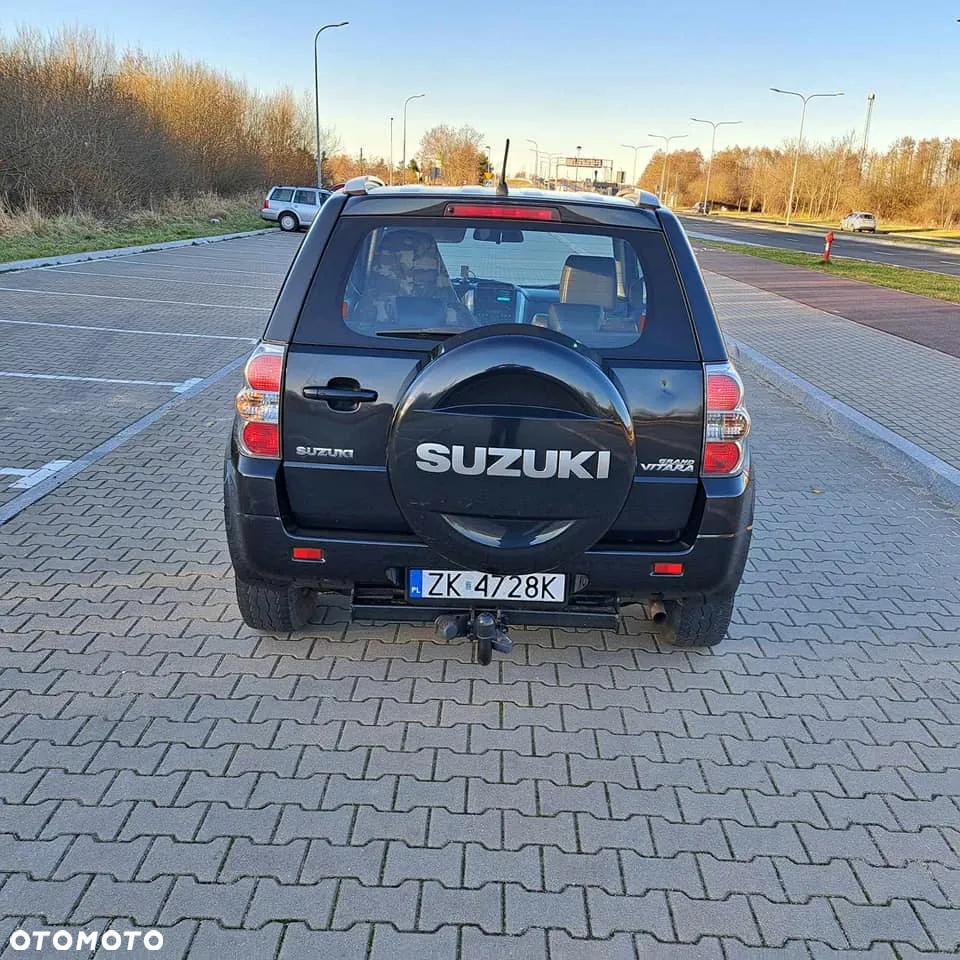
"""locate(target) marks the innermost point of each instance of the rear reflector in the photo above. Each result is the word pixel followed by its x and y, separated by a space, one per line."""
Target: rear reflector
pixel 500 211
pixel 307 553
pixel 668 569
pixel 261 439
pixel 721 457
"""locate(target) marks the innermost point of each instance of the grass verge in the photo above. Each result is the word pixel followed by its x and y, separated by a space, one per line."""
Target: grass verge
pixel 26 234
pixel 939 286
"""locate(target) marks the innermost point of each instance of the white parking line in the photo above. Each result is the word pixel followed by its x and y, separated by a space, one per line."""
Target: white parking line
pixel 30 478
pixel 144 333
pixel 67 269
pixel 178 385
pixel 199 256
pixel 120 261
pixel 106 296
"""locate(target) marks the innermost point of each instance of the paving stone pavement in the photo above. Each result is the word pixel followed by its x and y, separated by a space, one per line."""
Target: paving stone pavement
pixel 363 791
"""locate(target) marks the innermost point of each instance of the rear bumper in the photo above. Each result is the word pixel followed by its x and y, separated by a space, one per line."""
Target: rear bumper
pixel 269 215
pixel 261 543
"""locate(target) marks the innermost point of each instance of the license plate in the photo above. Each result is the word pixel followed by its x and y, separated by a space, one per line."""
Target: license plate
pixel 473 585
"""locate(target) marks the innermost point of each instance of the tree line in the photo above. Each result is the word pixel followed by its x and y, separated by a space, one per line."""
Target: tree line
pixel 913 181
pixel 83 128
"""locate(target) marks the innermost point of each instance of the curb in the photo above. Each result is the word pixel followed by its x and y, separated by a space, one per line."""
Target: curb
pixel 897 452
pixel 123 251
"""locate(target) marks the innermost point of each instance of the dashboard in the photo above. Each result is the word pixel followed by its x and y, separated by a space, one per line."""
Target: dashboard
pixel 492 301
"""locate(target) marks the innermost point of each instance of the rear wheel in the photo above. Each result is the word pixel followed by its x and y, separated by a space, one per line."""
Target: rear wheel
pixel 288 222
pixel 698 621
pixel 274 608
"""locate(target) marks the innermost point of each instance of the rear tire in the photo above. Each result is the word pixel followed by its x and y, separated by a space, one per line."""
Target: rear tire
pixel 288 222
pixel 273 608
pixel 698 621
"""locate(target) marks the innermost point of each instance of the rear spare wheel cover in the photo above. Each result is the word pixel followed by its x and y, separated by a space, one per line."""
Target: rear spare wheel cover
pixel 511 451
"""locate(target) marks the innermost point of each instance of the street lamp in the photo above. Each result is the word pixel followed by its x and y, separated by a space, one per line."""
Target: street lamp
pixel 536 159
pixel 416 96
pixel 666 155
pixel 796 160
pixel 391 151
pixel 627 146
pixel 316 90
pixel 713 141
pixel 576 169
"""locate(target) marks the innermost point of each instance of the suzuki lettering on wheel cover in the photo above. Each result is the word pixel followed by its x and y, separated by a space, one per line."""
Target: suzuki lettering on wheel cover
pixel 511 450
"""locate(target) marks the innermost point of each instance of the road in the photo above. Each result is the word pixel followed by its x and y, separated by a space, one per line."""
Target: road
pixel 844 245
pixel 365 792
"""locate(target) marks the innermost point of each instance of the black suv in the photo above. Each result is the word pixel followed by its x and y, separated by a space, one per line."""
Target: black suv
pixel 485 410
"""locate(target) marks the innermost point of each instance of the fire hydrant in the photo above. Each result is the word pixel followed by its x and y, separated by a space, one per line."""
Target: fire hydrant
pixel 826 246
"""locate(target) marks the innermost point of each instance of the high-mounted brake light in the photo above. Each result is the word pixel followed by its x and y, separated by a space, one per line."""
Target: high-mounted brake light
pixel 499 211
pixel 727 422
pixel 258 403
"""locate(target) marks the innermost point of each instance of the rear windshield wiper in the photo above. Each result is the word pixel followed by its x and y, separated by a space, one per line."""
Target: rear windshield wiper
pixel 420 334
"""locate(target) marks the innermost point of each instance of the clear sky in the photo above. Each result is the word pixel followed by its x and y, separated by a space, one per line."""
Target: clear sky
pixel 594 74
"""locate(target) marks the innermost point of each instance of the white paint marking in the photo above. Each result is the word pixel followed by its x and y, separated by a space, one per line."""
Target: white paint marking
pixel 145 333
pixel 131 383
pixel 104 296
pixel 41 474
pixel 67 269
pixel 187 384
pixel 121 261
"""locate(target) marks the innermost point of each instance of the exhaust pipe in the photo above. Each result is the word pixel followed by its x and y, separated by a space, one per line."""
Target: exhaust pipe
pixel 658 612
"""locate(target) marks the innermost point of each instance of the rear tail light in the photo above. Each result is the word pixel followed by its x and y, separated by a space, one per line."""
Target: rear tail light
pixel 727 421
pixel 258 403
pixel 266 204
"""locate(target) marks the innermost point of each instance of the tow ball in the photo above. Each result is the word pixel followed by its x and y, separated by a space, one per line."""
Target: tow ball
pixel 489 630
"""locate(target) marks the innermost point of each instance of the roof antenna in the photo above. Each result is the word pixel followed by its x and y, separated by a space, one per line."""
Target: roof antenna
pixel 502 185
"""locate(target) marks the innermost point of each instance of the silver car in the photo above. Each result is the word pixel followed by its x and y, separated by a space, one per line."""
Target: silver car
pixel 293 207
pixel 859 222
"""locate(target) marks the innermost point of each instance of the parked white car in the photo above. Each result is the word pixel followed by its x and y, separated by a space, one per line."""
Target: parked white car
pixel 858 222
pixel 293 207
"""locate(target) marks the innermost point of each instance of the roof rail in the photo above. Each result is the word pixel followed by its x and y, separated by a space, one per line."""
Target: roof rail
pixel 642 198
pixel 361 186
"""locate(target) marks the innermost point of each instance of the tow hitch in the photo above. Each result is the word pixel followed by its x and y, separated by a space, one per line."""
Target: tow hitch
pixel 489 630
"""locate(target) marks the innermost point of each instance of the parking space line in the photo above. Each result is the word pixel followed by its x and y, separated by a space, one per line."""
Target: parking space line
pixel 105 296
pixel 139 333
pixel 30 478
pixel 226 259
pixel 125 276
pixel 28 498
pixel 178 385
pixel 186 266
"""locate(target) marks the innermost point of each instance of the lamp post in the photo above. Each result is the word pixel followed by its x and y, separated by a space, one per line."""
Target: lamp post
pixel 796 159
pixel 536 159
pixel 628 146
pixel 391 151
pixel 713 141
pixel 666 155
pixel 316 91
pixel 576 169
pixel 416 96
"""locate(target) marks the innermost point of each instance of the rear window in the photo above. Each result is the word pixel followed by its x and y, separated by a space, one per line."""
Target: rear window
pixel 281 195
pixel 390 281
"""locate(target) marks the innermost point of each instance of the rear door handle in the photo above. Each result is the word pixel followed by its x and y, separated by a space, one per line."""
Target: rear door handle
pixel 340 393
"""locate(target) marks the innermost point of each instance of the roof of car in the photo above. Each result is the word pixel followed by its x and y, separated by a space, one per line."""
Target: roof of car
pixel 528 194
